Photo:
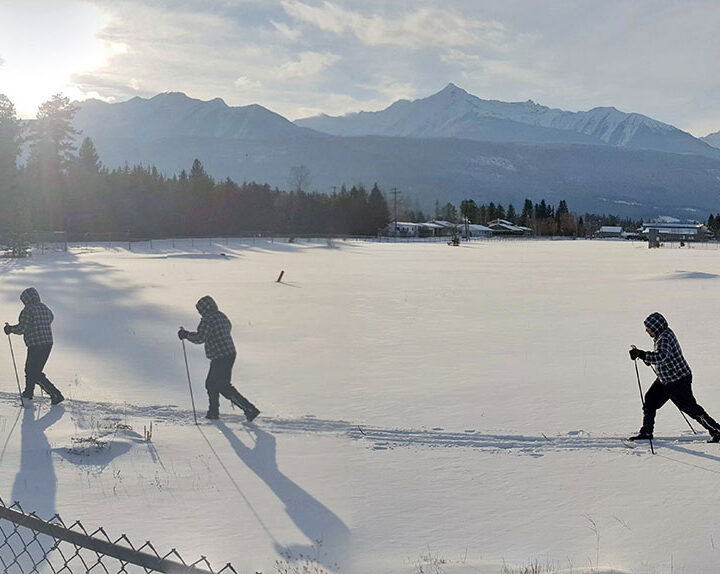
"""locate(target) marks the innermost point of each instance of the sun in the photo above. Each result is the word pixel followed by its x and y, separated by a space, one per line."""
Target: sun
pixel 45 47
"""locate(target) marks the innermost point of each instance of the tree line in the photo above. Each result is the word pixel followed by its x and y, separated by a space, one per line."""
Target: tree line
pixel 543 218
pixel 64 187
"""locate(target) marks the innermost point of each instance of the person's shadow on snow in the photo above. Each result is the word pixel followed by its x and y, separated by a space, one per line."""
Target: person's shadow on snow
pixel 35 485
pixel 326 531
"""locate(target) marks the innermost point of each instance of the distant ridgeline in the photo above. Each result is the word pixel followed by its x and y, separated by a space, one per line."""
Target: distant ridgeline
pixel 65 186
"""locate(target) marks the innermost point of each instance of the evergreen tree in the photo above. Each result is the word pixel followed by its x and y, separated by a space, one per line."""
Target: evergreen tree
pixel 511 214
pixel 565 222
pixel 483 214
pixel 197 172
pixel 469 210
pixel 378 211
pixel 88 160
pixel 13 216
pixel 491 212
pixel 51 157
pixel 449 213
pixel 52 139
pixel 10 139
pixel 527 214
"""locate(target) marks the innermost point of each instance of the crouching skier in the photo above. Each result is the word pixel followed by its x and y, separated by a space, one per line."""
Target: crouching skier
pixel 34 324
pixel 214 331
pixel 674 380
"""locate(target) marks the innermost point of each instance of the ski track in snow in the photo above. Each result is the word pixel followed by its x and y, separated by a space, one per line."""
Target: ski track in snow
pixel 88 413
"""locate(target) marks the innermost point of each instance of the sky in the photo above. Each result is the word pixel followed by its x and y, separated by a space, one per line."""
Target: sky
pixel 304 57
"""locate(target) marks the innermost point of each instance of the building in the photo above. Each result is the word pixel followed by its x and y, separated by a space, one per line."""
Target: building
pixel 403 229
pixel 475 230
pixel 609 231
pixel 505 227
pixel 677 230
pixel 443 228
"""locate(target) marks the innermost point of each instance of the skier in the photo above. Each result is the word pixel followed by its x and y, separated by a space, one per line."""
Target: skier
pixel 214 331
pixel 674 380
pixel 34 325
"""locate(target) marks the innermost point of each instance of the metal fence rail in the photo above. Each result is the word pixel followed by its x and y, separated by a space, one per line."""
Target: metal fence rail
pixel 29 544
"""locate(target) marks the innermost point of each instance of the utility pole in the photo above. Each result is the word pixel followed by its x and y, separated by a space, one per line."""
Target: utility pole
pixel 395 194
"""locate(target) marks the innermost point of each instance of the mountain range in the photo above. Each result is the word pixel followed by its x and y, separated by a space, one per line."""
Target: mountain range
pixel 447 147
pixel 454 113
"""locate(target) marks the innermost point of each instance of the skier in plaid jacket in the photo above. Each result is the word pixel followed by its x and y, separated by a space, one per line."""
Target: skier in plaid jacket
pixel 214 331
pixel 673 382
pixel 34 324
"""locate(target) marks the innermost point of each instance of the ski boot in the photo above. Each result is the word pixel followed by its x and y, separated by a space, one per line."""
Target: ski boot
pixel 251 413
pixel 642 435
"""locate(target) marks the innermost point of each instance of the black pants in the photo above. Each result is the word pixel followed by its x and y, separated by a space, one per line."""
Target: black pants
pixel 37 356
pixel 680 393
pixel 218 383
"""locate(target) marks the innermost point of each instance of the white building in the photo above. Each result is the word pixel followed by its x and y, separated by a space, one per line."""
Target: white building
pixel 609 231
pixel 505 227
pixel 403 229
pixel 676 230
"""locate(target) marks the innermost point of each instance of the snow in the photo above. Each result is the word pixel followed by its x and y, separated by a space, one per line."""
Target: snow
pixel 444 112
pixel 421 404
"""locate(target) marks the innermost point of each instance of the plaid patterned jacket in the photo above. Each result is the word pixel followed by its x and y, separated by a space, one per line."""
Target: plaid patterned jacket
pixel 667 356
pixel 213 330
pixel 34 321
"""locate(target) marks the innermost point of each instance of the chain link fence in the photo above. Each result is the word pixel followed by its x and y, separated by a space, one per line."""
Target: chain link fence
pixel 29 544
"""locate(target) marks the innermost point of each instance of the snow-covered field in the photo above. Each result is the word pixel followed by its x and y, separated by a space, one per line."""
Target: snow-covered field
pixel 424 408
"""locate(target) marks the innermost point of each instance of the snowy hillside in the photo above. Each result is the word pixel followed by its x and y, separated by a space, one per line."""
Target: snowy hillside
pixel 423 406
pixel 174 114
pixel 712 139
pixel 453 112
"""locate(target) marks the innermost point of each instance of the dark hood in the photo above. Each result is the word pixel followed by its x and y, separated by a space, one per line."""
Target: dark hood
pixel 30 295
pixel 657 324
pixel 206 305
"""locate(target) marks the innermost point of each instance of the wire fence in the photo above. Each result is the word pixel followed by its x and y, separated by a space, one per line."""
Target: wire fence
pixel 29 544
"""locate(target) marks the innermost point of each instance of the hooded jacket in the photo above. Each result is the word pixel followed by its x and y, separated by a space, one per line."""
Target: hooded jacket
pixel 667 355
pixel 34 321
pixel 213 330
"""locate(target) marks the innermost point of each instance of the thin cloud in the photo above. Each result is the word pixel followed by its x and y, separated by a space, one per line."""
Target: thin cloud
pixel 285 30
pixel 307 65
pixel 422 27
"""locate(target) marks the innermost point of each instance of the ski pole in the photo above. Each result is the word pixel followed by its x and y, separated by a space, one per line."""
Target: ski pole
pixel 12 353
pixel 642 397
pixel 187 369
pixel 682 413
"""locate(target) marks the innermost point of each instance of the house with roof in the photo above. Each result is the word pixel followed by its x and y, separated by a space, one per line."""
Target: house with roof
pixel 505 227
pixel 676 230
pixel 609 231
pixel 442 228
pixel 403 229
pixel 475 230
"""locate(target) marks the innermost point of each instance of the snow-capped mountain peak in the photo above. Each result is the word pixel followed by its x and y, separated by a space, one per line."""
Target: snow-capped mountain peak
pixel 454 112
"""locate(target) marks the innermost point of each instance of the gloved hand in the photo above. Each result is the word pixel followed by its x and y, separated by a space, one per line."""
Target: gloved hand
pixel 6 328
pixel 182 333
pixel 637 354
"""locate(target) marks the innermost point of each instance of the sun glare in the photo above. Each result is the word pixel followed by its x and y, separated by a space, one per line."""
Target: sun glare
pixel 43 45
